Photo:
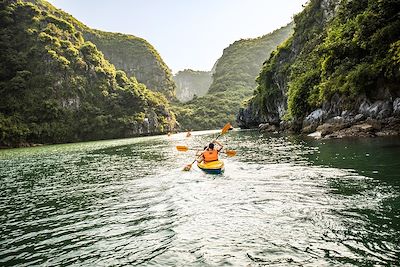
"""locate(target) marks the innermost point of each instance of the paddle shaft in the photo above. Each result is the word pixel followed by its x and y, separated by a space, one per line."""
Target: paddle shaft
pixel 190 165
pixel 230 153
pixel 224 130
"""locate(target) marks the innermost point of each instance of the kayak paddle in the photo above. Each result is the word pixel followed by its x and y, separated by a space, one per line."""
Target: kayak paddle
pixel 182 148
pixel 224 130
pixel 229 153
pixel 189 166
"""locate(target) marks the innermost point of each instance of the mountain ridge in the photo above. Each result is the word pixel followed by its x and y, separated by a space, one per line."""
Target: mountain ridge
pixel 233 81
pixel 56 87
pixel 135 55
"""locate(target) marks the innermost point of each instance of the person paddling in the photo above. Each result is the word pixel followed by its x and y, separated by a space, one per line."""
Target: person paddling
pixel 224 130
pixel 210 153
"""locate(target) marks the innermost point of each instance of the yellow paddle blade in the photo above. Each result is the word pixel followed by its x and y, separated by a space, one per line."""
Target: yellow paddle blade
pixel 226 128
pixel 187 167
pixel 230 153
pixel 182 148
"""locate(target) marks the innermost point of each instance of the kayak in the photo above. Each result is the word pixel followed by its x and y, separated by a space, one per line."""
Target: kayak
pixel 213 167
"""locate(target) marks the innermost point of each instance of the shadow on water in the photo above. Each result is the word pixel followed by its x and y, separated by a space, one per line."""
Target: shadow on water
pixel 370 216
pixel 372 157
pixel 369 230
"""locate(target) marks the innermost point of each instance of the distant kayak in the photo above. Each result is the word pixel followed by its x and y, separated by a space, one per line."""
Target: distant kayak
pixel 213 167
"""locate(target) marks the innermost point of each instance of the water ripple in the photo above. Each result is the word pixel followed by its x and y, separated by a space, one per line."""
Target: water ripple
pixel 125 202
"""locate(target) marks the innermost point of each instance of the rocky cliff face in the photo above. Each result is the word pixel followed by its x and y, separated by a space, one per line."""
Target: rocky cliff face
pixel 132 54
pixel 190 83
pixel 233 81
pixel 367 116
pixel 332 71
pixel 269 105
pixel 137 58
pixel 57 87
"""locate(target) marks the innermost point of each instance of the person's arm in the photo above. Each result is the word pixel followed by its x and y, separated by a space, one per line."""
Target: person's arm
pixel 219 144
pixel 200 158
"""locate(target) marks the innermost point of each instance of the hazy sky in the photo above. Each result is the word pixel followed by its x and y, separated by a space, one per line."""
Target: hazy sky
pixel 186 33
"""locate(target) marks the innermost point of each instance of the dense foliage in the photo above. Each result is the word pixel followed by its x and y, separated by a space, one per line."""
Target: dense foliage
pixel 356 51
pixel 192 83
pixel 129 53
pixel 136 57
pixel 57 87
pixel 233 82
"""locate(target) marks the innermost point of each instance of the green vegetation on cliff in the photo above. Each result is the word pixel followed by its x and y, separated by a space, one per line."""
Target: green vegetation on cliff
pixel 136 57
pixel 233 82
pixel 56 87
pixel 192 83
pixel 343 47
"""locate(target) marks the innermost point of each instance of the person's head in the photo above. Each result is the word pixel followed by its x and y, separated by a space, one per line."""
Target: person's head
pixel 211 146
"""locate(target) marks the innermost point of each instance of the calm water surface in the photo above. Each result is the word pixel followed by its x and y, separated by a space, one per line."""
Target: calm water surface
pixel 282 201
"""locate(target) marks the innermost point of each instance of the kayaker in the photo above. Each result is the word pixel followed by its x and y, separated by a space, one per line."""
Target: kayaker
pixel 211 152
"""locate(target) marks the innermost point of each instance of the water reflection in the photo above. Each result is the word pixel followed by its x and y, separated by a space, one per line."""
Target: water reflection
pixel 371 229
pixel 283 200
pixel 372 157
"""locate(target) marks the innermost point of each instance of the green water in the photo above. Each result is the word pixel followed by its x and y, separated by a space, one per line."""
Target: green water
pixel 282 201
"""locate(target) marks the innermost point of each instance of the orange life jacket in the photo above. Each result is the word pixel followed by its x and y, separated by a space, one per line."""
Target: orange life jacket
pixel 210 155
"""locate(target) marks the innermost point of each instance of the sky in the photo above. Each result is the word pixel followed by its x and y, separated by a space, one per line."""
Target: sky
pixel 188 34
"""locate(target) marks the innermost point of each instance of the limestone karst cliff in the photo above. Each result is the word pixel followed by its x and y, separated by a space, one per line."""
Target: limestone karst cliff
pixel 190 83
pixel 233 81
pixel 58 87
pixel 340 67
pixel 136 57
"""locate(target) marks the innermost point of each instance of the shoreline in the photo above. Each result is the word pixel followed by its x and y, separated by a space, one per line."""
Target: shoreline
pixel 338 129
pixel 29 144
